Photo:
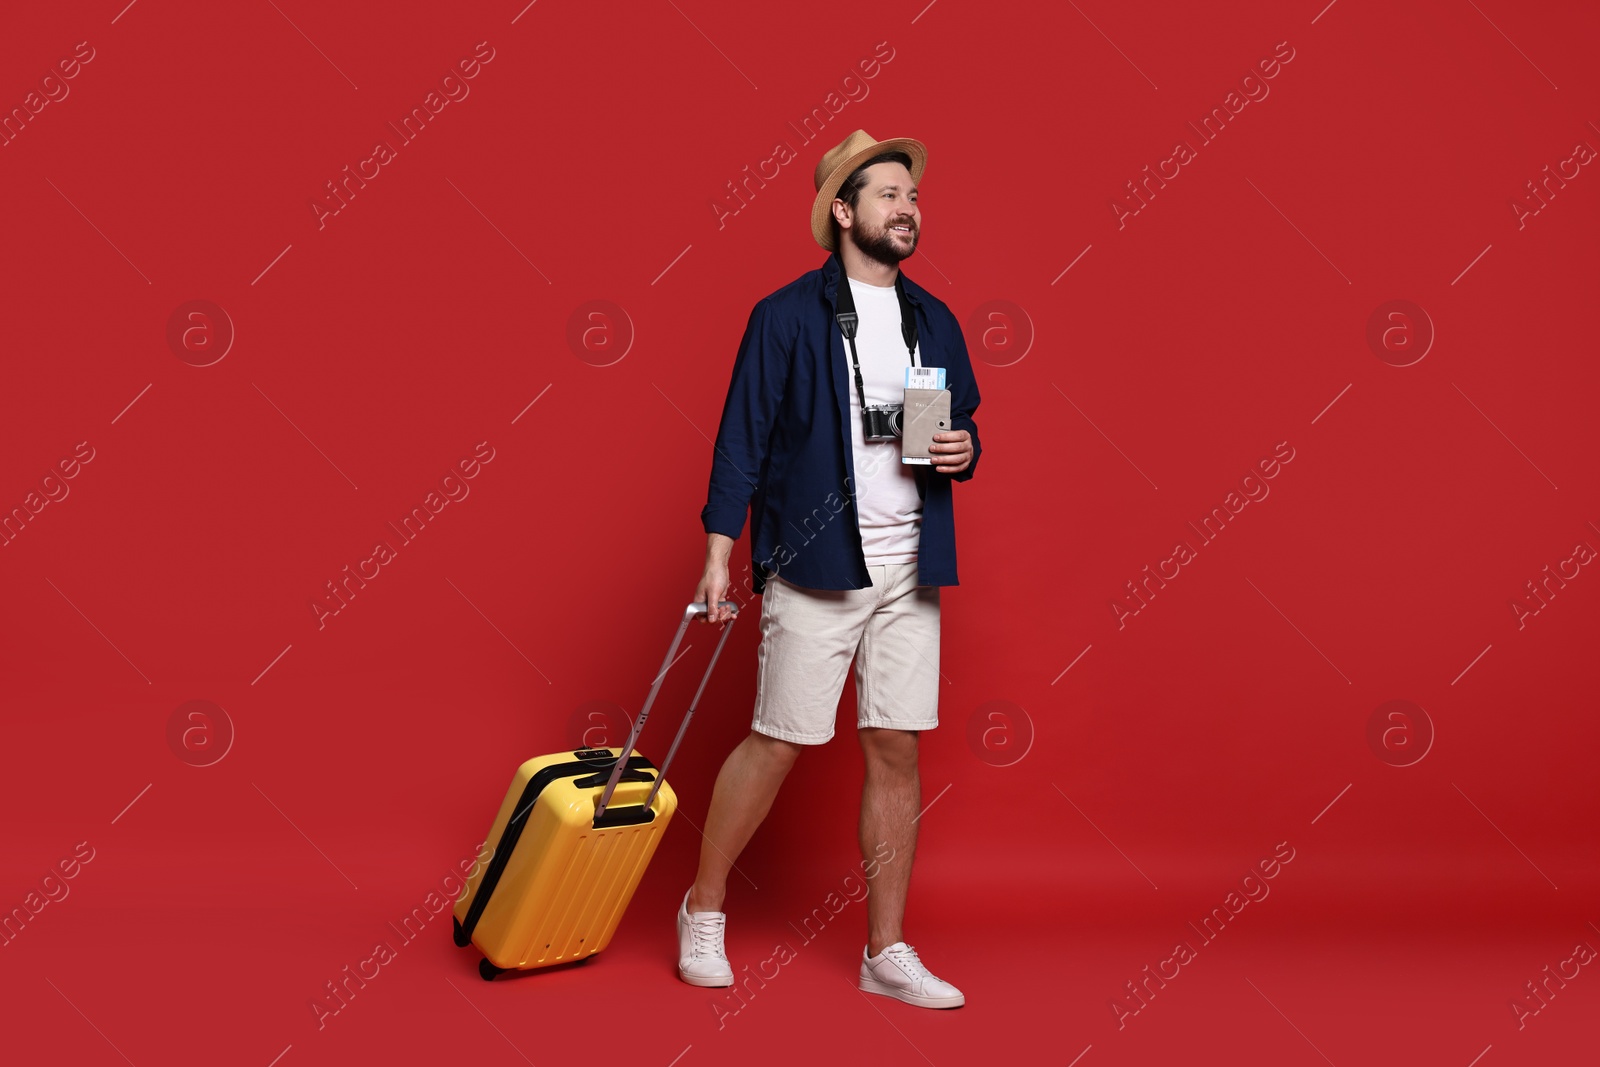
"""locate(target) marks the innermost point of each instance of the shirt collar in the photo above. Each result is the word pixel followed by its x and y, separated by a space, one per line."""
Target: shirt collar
pixel 832 271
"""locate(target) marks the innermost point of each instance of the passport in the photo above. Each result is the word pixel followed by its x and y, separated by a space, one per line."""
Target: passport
pixel 927 412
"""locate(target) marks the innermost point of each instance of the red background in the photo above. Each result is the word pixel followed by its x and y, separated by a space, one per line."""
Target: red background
pixel 371 354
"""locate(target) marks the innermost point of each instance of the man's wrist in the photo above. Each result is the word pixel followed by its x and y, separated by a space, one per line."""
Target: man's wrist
pixel 719 547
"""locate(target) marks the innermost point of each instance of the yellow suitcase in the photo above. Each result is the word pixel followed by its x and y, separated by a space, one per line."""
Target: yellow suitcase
pixel 571 842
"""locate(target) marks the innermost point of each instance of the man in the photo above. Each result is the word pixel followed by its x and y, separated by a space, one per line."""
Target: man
pixel 849 546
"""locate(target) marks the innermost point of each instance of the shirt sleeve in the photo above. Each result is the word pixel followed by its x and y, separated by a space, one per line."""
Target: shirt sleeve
pixel 760 372
pixel 964 398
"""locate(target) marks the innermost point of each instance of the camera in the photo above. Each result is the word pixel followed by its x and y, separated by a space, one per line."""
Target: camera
pixel 882 422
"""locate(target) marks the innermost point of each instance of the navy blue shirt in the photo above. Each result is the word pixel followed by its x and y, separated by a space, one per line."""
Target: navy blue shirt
pixel 784 447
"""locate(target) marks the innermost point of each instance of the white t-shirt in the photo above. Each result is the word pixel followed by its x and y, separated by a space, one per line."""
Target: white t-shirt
pixel 888 509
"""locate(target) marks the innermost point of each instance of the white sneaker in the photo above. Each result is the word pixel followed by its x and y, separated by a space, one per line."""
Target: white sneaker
pixel 897 972
pixel 701 959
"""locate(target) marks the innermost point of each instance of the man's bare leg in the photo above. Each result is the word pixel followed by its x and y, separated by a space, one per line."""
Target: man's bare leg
pixel 745 789
pixel 890 799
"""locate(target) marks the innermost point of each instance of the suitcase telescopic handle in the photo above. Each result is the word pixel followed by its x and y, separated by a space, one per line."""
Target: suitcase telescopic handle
pixel 696 608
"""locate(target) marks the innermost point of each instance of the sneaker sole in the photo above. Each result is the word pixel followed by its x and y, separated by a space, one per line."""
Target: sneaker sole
pixel 704 982
pixel 872 985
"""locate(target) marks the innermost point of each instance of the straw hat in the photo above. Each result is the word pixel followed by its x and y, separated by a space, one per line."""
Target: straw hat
pixel 837 165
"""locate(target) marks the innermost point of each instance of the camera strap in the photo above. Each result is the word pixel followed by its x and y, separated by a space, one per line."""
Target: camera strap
pixel 848 321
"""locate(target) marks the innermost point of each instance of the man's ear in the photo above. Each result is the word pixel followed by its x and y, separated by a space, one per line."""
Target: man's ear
pixel 841 212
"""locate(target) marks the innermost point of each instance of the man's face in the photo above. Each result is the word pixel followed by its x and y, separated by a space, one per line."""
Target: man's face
pixel 886 223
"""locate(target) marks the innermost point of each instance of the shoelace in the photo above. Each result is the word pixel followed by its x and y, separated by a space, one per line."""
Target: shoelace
pixel 704 933
pixel 909 962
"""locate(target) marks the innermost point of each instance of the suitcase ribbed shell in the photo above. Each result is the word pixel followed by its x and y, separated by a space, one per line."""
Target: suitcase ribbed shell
pixel 564 886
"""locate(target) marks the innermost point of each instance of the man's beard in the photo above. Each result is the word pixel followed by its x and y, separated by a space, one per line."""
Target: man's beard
pixel 882 245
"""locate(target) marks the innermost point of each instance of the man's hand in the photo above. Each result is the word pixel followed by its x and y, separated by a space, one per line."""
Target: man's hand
pixel 955 451
pixel 714 582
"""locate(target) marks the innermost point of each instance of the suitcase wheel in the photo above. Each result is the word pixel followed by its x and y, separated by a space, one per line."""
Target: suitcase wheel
pixel 462 938
pixel 488 970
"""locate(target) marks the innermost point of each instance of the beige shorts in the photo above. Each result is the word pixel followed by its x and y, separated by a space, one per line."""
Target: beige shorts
pixel 808 637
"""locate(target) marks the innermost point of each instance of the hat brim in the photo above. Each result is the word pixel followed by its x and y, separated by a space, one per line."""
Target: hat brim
pixel 822 207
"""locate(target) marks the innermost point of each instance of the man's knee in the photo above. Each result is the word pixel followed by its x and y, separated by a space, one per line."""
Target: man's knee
pixel 890 750
pixel 774 751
